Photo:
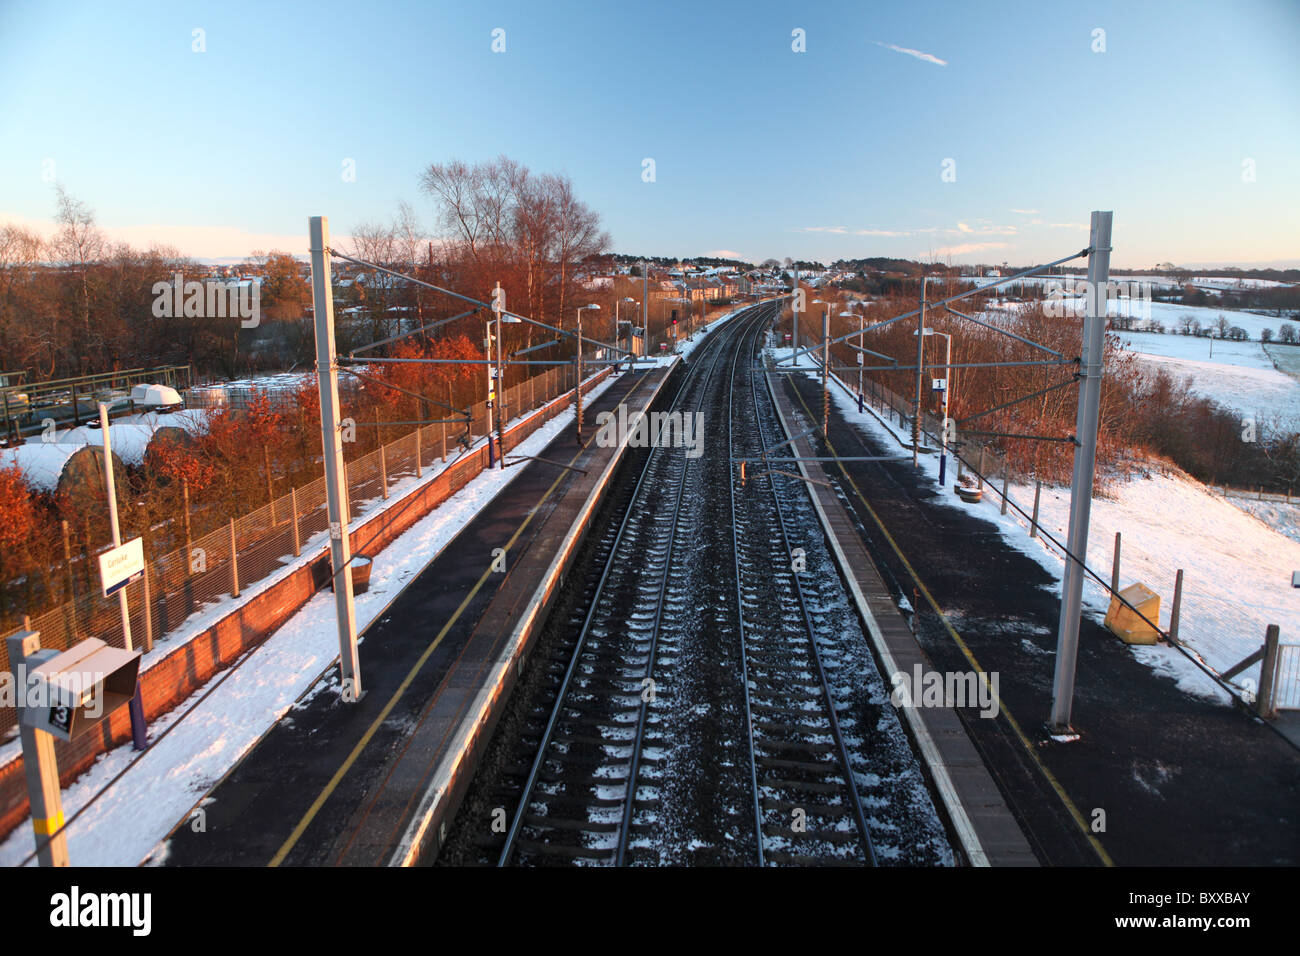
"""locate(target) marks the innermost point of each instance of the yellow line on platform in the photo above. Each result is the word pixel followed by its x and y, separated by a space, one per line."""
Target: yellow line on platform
pixel 952 631
pixel 341 772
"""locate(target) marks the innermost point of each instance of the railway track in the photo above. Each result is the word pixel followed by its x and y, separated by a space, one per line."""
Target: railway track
pixel 804 790
pixel 703 702
pixel 599 751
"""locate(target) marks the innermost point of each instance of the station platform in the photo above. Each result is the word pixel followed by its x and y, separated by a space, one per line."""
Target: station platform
pixel 373 783
pixel 980 823
pixel 1157 775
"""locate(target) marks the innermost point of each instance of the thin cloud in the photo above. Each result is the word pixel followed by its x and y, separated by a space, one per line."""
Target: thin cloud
pixel 1026 212
pixel 977 227
pixel 200 242
pixel 964 248
pixel 846 231
pixel 927 57
pixel 724 254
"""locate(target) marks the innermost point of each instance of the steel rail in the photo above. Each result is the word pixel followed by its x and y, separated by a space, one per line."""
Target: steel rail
pixel 562 692
pixel 740 614
pixel 846 764
pixel 629 799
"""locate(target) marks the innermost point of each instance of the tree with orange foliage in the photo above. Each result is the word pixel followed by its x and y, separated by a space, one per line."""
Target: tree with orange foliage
pixel 431 381
pixel 16 530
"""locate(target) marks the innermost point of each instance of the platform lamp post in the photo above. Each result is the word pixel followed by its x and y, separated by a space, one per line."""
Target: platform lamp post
pixel 631 336
pixel 139 730
pixel 497 392
pixel 645 298
pixel 947 382
pixel 614 337
pixel 577 387
pixel 862 324
pixel 488 339
pixel 920 374
pixel 794 319
pixel 814 302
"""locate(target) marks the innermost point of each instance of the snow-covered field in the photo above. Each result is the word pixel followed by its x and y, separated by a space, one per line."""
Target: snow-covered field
pixel 1171 315
pixel 158 790
pixel 1237 569
pixel 1265 395
pixel 1237 375
pixel 1281 517
pixel 1210 283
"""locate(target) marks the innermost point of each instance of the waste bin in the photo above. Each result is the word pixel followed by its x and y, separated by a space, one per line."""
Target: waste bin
pixel 360 573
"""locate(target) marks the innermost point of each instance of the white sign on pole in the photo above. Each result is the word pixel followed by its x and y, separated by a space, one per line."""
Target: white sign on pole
pixel 119 566
pixel 938 384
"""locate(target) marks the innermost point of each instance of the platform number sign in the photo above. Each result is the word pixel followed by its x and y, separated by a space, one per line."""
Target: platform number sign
pixel 61 719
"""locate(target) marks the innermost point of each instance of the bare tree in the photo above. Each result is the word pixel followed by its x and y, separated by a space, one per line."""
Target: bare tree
pixel 78 244
pixel 577 232
pixel 21 332
pixel 376 243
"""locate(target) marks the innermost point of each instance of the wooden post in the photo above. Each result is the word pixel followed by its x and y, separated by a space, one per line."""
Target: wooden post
pixel 1114 571
pixel 270 494
pixel 293 503
pixel 1264 704
pixel 444 423
pixel 234 562
pixel 67 559
pixel 185 514
pixel 981 474
pixel 148 605
pixel 1004 492
pixel 383 471
pixel 85 554
pixel 71 603
pixel 1033 524
pixel 1176 609
pixel 419 469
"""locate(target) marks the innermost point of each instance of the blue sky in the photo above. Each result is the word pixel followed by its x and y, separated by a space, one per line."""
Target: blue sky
pixel 834 152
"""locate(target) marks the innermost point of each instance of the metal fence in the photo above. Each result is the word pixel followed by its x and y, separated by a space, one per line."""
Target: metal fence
pixel 989 466
pixel 981 457
pixel 1255 494
pixel 216 567
pixel 1286 678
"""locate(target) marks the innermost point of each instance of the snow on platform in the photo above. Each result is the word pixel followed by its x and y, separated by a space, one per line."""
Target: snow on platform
pixel 125 825
pixel 1237 569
